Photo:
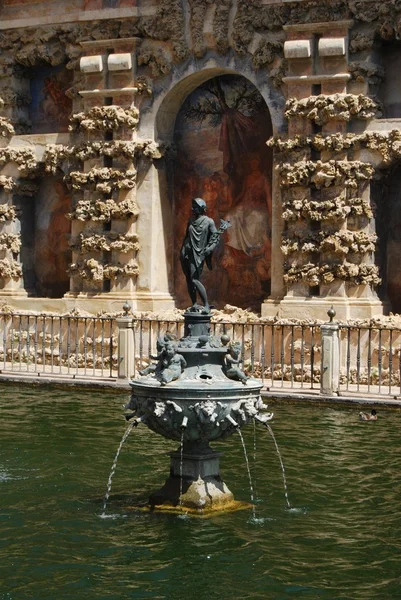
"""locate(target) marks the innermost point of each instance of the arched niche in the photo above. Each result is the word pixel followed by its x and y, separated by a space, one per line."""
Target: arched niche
pixel 219 123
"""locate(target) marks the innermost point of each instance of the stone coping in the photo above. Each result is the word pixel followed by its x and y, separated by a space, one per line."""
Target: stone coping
pixel 317 27
pixel 271 397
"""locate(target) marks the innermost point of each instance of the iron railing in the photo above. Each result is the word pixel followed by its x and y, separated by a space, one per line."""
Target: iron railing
pixel 57 345
pixel 370 359
pixel 282 356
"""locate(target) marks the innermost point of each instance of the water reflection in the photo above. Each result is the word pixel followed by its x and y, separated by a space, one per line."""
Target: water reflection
pixel 340 540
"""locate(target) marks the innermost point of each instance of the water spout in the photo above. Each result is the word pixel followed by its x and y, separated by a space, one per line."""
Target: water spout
pixel 136 421
pixel 232 421
pixel 262 418
pixel 184 423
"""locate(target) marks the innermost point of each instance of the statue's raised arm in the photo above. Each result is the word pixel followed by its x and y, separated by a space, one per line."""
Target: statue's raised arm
pixel 200 240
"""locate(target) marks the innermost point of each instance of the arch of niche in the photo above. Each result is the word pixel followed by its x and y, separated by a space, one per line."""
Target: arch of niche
pixel 166 109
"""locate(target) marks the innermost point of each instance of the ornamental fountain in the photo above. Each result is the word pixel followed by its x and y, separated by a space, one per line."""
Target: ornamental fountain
pixel 195 392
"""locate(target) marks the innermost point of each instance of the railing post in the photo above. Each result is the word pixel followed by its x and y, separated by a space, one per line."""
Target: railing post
pixel 126 355
pixel 330 367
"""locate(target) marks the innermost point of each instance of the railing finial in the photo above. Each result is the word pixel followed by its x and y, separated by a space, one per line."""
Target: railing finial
pixel 127 308
pixel 331 313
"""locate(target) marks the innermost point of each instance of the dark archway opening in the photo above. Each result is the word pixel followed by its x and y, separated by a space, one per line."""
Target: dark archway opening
pixel 387 197
pixel 50 235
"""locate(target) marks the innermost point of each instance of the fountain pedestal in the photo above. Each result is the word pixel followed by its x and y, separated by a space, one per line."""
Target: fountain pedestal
pixel 193 483
pixel 199 405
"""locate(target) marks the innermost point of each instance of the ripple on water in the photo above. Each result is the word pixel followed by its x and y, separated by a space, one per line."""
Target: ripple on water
pixel 343 484
pixel 112 516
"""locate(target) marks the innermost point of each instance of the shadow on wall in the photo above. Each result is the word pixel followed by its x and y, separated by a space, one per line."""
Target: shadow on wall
pixel 390 89
pixel 388 226
pixel 52 254
pixel 220 134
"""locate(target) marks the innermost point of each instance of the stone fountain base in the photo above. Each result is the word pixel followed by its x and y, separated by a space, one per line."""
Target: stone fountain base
pixel 201 486
pixel 195 394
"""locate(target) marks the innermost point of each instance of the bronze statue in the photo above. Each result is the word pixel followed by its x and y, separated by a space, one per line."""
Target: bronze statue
pixel 200 240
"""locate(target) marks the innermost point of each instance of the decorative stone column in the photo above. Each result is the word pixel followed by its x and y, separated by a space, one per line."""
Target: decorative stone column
pixel 11 282
pixel 104 238
pixel 327 239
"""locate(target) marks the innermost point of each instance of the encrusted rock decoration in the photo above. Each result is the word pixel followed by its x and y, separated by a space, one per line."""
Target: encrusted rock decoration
pixel 336 209
pixel 56 154
pixel 6 128
pixel 7 183
pixel 388 145
pixel 7 213
pixel 10 269
pixel 105 242
pixel 104 210
pixel 326 193
pixel 314 274
pixel 102 179
pixel 10 241
pixel 105 118
pixel 95 270
pixel 324 174
pixel 340 107
pixel 24 158
pixel 337 242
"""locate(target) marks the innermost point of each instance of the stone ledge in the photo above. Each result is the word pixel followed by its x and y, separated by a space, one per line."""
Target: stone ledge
pixel 316 78
pixel 110 43
pixel 275 396
pixel 108 92
pixel 314 397
pixel 318 27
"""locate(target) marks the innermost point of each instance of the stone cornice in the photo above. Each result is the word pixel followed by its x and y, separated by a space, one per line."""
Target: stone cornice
pixel 77 17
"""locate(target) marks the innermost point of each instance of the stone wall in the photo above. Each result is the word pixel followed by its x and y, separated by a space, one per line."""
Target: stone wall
pixel 115 74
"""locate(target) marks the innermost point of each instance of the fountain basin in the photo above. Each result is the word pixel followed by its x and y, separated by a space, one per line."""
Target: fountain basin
pixel 198 410
pixel 195 394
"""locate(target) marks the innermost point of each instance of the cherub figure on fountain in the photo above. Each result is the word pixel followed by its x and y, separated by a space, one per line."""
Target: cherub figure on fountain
pixel 172 365
pixel 161 344
pixel 231 361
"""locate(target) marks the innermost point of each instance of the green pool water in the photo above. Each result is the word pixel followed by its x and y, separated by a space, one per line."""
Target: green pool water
pixel 341 540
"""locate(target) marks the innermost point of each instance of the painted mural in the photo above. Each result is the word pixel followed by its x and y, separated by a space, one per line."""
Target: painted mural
pixel 220 135
pixel 51 107
pixel 52 233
